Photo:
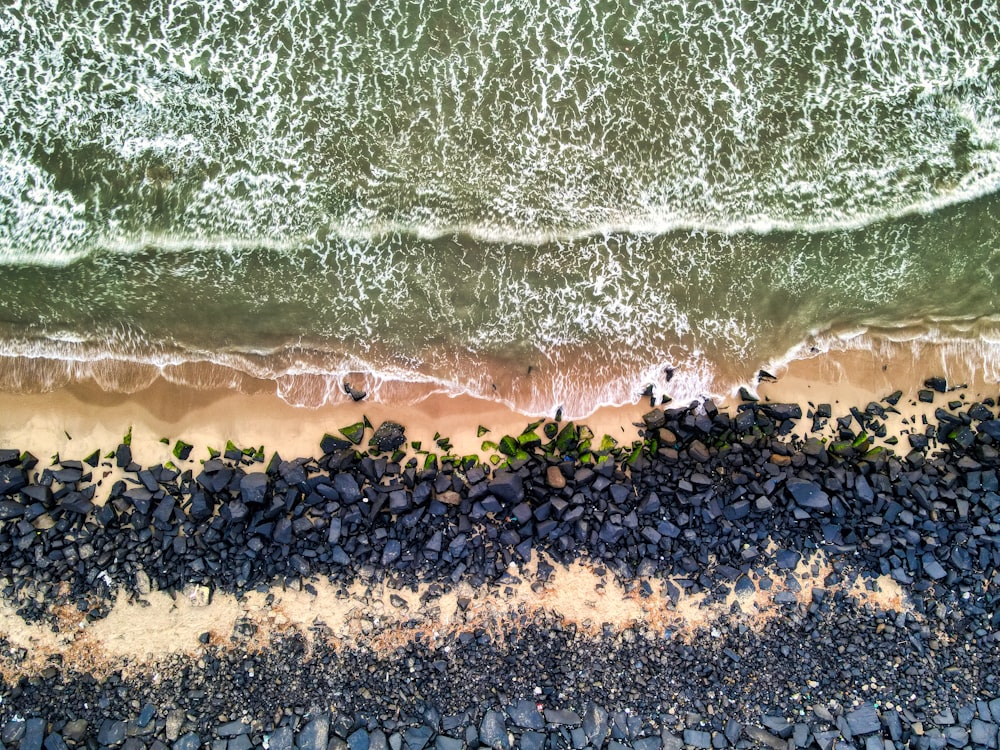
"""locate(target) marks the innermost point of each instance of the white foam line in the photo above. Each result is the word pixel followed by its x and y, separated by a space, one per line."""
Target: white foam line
pixel 648 225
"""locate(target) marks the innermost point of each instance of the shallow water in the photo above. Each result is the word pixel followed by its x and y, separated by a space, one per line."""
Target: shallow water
pixel 542 203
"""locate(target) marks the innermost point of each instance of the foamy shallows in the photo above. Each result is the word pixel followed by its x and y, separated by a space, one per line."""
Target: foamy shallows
pixel 541 203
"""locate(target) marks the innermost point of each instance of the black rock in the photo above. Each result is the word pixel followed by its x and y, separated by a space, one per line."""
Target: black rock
pixel 359 740
pixel 493 731
pixel 507 487
pixel 189 741
pixel 525 714
pixel 281 739
pixel 698 739
pixel 562 716
pixel 595 724
pixel 932 567
pixel 11 509
pixel 416 738
pixel 112 732
pixel 75 730
pixel 698 452
pixel 787 560
pixel 984 733
pixel 55 742
pixel 654 419
pixel 938 384
pixel 12 478
pixel 314 735
pixel 744 586
pixel 863 720
pixel 253 488
pixel 388 437
pixel 123 456
pixel 354 393
pixel 34 734
pixel 347 487
pixel 232 729
pixel 781 412
pixel 808 494
pixel 765 738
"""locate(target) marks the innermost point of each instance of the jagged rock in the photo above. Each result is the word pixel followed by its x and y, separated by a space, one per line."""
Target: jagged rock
pixel 388 437
pixel 507 487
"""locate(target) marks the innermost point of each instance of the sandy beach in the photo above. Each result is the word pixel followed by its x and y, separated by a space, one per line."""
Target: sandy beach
pixel 81 418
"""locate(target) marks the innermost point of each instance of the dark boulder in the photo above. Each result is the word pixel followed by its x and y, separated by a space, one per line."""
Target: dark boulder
pixel 493 731
pixel 808 494
pixel 347 487
pixel 507 487
pixel 781 412
pixel 253 488
pixel 11 509
pixel 11 479
pixel 388 437
pixel 525 714
pixel 654 419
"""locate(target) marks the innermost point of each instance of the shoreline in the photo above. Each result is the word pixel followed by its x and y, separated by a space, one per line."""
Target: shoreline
pixel 81 417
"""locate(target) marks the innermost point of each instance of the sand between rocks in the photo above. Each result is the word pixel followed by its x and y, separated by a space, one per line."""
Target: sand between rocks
pixel 381 618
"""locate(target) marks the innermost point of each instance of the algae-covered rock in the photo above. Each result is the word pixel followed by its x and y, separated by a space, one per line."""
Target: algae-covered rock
pixel 354 432
pixel 330 444
pixel 567 438
pixel 182 450
pixel 529 440
pixel 508 445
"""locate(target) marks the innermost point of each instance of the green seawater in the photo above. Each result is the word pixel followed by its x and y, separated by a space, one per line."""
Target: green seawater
pixel 548 203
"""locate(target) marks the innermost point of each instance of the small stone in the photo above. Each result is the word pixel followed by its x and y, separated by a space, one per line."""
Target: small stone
pixel 198 596
pixel 554 478
pixel 175 720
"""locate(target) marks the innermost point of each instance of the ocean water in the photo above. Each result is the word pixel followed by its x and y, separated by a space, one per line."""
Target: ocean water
pixel 542 202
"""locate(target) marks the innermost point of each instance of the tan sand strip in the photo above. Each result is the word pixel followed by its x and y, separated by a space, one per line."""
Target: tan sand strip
pixel 381 618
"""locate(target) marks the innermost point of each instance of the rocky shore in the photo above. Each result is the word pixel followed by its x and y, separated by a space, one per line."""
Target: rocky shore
pixel 848 559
